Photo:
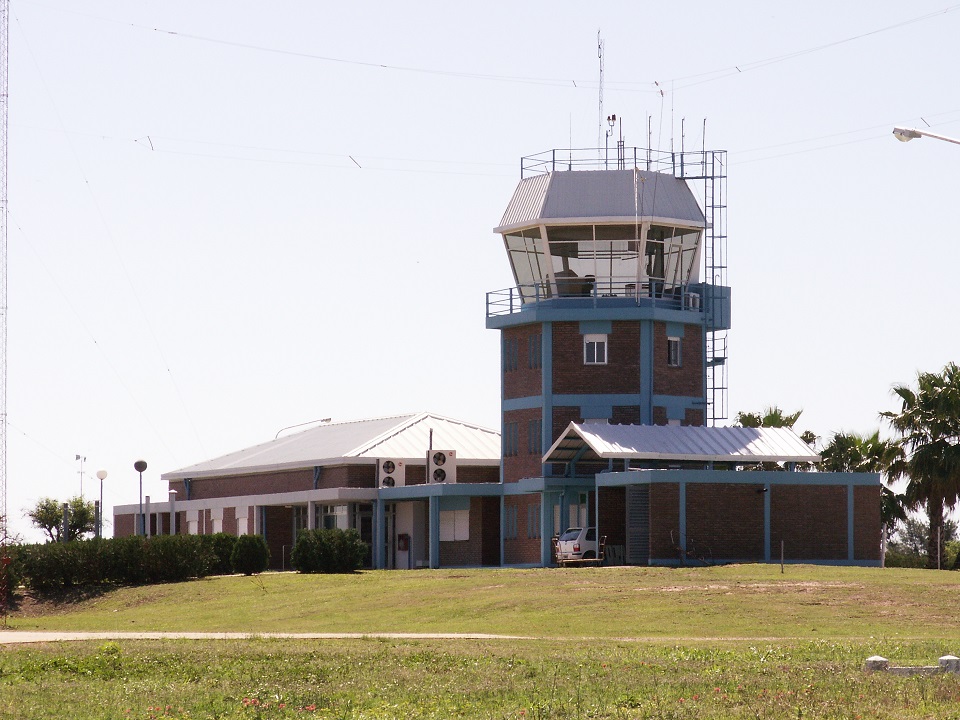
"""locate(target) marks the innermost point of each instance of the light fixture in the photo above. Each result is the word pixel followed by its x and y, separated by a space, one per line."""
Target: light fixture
pixel 908 134
pixel 140 466
pixel 101 474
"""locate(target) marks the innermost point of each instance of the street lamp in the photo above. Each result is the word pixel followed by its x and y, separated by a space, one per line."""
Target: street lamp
pixel 101 474
pixel 908 134
pixel 81 458
pixel 140 466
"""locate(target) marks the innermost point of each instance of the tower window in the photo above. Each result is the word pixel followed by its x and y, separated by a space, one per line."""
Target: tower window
pixel 673 351
pixel 534 348
pixel 511 354
pixel 594 349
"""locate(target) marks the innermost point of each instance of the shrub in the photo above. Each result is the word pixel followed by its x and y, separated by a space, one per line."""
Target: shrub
pixel 328 551
pixel 220 549
pixel 174 558
pixel 250 555
pixel 14 570
pixel 132 560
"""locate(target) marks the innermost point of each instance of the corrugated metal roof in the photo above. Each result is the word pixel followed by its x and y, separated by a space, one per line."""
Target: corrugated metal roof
pixel 607 195
pixel 403 437
pixel 599 441
pixel 527 201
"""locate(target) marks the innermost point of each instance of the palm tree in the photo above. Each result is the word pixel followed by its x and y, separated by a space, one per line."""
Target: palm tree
pixel 771 417
pixel 929 425
pixel 850 452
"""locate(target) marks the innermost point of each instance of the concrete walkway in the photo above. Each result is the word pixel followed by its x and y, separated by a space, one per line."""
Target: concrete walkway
pixel 18 637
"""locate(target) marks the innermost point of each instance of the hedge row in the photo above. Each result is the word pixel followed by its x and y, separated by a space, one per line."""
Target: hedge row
pixel 130 560
pixel 328 551
pixel 137 560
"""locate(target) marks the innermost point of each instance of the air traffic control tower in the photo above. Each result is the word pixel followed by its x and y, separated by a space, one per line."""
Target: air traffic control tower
pixel 619 313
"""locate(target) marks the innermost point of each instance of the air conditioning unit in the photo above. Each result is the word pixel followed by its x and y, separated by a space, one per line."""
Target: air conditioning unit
pixel 391 473
pixel 442 466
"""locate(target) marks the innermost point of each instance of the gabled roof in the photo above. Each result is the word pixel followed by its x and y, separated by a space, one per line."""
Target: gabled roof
pixel 402 437
pixel 600 441
pixel 601 196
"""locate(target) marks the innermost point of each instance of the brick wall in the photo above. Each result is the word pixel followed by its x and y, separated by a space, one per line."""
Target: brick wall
pixel 470 552
pixel 123 525
pixel 686 380
pixel 725 521
pixel 230 520
pixel 521 549
pixel 251 484
pixel 626 415
pixel 811 520
pixel 526 463
pixel 613 513
pixel 621 374
pixel 279 534
pixel 866 522
pixel 664 519
pixel 524 381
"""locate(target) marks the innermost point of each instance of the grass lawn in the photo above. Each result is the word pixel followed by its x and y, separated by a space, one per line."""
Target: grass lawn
pixel 730 642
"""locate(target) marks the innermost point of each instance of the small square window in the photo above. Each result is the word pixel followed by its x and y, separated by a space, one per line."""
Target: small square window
pixel 594 349
pixel 673 351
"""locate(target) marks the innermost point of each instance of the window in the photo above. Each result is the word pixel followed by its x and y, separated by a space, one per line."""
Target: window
pixel 594 349
pixel 535 437
pixel 673 351
pixel 533 521
pixel 534 350
pixel 454 525
pixel 511 354
pixel 333 517
pixel 511 439
pixel 510 522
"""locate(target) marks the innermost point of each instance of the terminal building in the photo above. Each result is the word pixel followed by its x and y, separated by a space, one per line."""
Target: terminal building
pixel 613 367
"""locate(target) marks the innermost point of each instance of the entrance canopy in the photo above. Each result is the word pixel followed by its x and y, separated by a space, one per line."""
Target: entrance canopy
pixel 737 445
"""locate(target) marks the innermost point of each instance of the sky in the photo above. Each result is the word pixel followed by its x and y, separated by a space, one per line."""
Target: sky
pixel 226 218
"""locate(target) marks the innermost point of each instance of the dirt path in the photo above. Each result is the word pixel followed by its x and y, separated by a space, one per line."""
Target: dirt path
pixel 18 637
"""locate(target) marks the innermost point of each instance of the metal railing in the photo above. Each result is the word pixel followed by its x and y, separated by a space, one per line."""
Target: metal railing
pixel 563 292
pixel 689 165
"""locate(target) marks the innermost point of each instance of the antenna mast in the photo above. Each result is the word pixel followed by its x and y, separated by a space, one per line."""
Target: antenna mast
pixel 600 131
pixel 4 111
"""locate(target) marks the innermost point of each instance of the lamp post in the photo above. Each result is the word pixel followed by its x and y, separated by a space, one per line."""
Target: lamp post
pixel 81 458
pixel 908 134
pixel 140 466
pixel 101 474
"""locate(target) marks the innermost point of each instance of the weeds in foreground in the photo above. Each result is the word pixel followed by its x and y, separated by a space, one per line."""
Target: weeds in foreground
pixel 266 679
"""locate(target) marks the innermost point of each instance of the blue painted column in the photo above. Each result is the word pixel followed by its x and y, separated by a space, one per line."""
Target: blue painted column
pixel 378 533
pixel 434 532
pixel 766 523
pixel 546 529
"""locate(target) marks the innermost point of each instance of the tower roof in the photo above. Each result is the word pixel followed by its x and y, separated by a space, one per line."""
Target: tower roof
pixel 591 196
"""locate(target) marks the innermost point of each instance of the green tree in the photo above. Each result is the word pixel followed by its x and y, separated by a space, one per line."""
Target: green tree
pixel 929 426
pixel 850 452
pixel 47 515
pixel 770 417
pixel 774 417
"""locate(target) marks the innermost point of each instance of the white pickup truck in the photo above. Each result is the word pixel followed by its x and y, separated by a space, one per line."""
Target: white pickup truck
pixel 576 545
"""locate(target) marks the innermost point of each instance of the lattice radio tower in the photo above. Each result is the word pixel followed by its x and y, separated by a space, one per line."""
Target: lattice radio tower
pixel 4 110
